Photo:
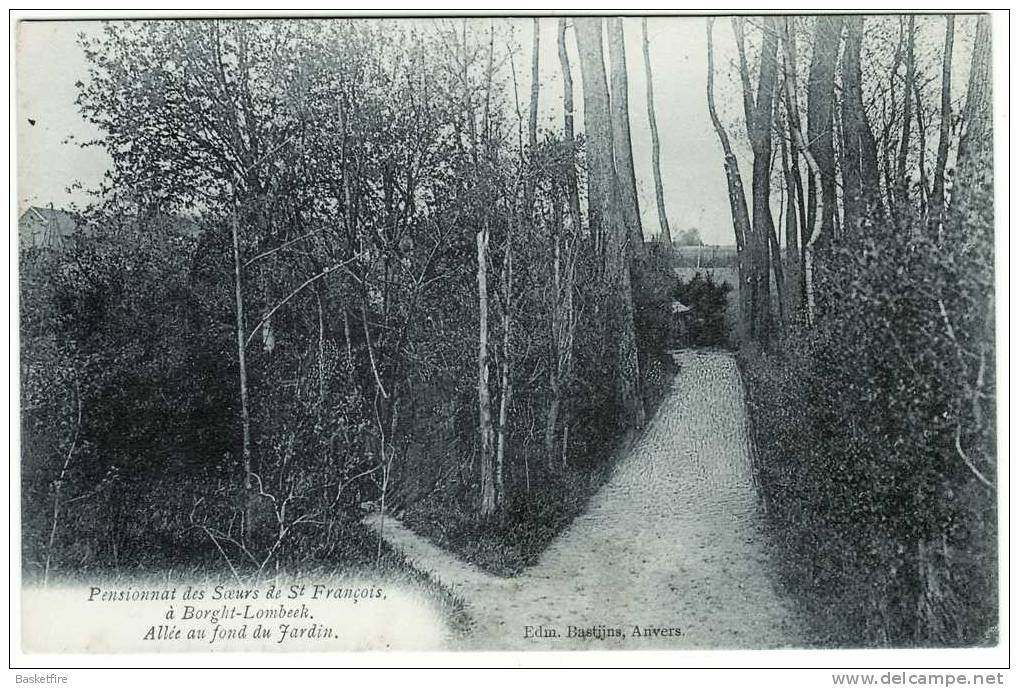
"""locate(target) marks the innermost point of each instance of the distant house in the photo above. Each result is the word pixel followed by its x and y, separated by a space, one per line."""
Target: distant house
pixel 46 228
pixel 53 228
pixel 679 327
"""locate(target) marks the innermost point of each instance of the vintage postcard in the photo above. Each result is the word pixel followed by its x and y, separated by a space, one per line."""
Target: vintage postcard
pixel 528 333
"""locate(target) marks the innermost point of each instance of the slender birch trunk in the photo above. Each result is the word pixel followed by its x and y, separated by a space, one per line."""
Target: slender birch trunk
pixel 938 204
pixel 242 362
pixel 505 383
pixel 737 196
pixel 819 212
pixel 791 259
pixel 901 179
pixel 568 128
pixel 488 497
pixel 656 155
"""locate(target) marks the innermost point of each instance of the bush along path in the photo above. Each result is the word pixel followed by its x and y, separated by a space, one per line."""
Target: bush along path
pixel 670 553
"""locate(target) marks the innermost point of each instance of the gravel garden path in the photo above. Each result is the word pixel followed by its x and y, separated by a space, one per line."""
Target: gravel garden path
pixel 670 553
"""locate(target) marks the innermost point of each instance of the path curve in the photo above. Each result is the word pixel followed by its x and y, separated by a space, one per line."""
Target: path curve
pixel 672 541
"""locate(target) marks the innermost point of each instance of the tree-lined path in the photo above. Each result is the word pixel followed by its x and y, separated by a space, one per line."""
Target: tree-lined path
pixel 332 263
pixel 673 540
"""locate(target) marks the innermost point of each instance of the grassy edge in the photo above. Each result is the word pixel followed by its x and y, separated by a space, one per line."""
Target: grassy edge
pixel 803 603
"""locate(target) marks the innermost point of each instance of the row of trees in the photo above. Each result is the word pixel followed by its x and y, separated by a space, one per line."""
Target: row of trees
pixel 870 329
pixel 373 204
pixel 835 171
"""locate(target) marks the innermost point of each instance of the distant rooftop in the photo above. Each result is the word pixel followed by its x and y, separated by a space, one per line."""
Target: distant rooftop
pixel 53 228
pixel 40 227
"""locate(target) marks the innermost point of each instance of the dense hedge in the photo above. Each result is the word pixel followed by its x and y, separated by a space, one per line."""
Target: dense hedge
pixel 874 431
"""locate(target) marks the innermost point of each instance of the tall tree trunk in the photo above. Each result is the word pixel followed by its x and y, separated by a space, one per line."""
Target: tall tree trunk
pixel 506 381
pixel 602 215
pixel 820 142
pixel 568 128
pixel 621 143
pixel 242 362
pixel 803 204
pixel 734 182
pixel 767 93
pixel 778 269
pixel 563 320
pixel 972 208
pixel 563 325
pixel 759 114
pixel 656 155
pixel 532 119
pixel 816 214
pixel 820 112
pixel 791 259
pixel 921 133
pixel 861 194
pixel 526 219
pixel 489 487
pixel 901 179
pixel 975 168
pixel 605 215
pixel 889 112
pixel 852 107
pixel 488 495
pixel 976 146
pixel 552 417
pixel 937 205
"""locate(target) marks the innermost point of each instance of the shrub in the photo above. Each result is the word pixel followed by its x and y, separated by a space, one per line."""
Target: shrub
pixel 875 439
pixel 705 324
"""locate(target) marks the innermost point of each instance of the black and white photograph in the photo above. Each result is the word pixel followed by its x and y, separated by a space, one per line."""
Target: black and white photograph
pixel 507 332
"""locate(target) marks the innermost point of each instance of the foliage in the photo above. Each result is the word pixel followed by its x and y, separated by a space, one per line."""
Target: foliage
pixel 705 324
pixel 333 177
pixel 872 400
pixel 875 435
pixel 301 214
pixel 688 237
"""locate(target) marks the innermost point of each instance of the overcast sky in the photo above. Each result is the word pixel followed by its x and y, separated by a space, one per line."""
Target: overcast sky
pixel 49 63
